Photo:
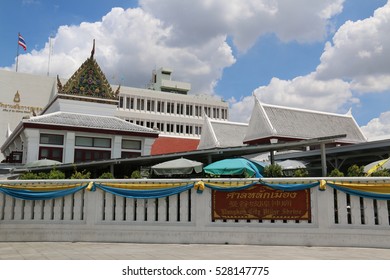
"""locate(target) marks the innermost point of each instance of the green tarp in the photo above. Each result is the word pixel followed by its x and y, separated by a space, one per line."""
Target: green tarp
pixel 235 166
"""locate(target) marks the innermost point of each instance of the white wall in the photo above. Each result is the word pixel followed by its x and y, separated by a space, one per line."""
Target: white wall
pixel 102 217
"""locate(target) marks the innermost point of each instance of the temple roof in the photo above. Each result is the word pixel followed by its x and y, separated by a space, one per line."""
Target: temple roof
pixel 102 123
pixel 222 134
pixel 271 121
pixel 89 81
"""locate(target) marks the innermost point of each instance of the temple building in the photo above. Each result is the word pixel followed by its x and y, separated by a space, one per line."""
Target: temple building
pixel 79 124
pixel 164 107
pixel 278 124
pixel 222 134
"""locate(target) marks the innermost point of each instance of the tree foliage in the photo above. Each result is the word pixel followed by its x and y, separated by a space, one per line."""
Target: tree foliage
pixel 273 171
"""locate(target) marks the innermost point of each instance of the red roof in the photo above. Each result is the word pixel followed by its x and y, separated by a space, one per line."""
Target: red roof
pixel 167 145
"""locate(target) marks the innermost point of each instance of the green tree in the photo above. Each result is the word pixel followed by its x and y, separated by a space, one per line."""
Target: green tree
pixel 301 172
pixel 355 171
pixel 106 175
pixel 136 174
pixel 336 173
pixel 381 173
pixel 56 174
pixel 80 175
pixel 273 171
pixel 28 176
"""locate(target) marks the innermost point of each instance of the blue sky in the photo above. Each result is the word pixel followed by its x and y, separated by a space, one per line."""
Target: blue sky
pixel 324 55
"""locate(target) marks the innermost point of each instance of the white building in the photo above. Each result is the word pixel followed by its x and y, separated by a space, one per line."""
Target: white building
pixel 165 107
pixel 79 125
pixel 222 134
pixel 278 124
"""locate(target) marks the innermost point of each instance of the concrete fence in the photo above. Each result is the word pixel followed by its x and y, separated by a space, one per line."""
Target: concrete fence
pixel 337 219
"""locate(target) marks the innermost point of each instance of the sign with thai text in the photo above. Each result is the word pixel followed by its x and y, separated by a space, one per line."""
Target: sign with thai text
pixel 261 203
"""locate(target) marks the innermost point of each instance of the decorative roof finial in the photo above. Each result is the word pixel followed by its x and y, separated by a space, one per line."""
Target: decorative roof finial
pixel 59 84
pixel 116 94
pixel 93 49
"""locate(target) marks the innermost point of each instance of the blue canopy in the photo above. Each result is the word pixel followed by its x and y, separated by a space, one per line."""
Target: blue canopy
pixel 235 166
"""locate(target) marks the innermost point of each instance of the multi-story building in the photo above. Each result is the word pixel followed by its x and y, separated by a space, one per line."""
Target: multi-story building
pixel 164 106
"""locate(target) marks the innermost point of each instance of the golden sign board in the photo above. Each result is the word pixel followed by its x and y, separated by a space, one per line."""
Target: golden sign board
pixel 261 203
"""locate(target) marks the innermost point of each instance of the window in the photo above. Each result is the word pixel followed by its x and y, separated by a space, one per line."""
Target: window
pixel 130 154
pixel 50 153
pixel 81 155
pixel 128 103
pixel 93 142
pixel 179 109
pixel 121 102
pixel 179 128
pixel 189 110
pixel 140 104
pixel 160 106
pixel 188 129
pixel 131 103
pixel 198 111
pixel 170 107
pixel 169 127
pixel 131 144
pixel 150 105
pixel 51 139
pixel 207 111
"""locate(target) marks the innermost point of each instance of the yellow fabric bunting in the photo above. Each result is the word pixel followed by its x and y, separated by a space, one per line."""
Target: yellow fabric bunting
pixel 322 185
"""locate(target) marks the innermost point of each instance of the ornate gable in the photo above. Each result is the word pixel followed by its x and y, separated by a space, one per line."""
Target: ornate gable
pixel 88 81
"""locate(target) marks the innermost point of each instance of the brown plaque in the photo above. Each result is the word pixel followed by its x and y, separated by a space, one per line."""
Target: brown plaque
pixel 261 203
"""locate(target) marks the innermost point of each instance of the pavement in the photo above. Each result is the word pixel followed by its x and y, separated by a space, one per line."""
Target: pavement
pixel 137 251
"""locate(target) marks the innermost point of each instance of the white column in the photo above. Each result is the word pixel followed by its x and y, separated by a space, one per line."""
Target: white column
pixel 32 144
pixel 69 147
pixel 117 147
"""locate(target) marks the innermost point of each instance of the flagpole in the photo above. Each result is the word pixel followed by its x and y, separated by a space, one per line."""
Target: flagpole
pixel 17 53
pixel 48 63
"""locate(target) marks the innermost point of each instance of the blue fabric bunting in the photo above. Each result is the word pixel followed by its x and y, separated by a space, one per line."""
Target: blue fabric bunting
pixel 229 189
pixel 39 195
pixel 290 187
pixel 143 194
pixel 372 195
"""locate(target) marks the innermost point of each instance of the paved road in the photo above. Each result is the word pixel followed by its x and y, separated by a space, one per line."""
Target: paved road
pixel 136 251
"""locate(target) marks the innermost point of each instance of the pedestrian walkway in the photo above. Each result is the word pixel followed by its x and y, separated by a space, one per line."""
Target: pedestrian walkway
pixel 136 251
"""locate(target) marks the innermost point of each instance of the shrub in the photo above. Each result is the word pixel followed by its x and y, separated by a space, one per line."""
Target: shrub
pixel 55 174
pixel 106 175
pixel 273 171
pixel 336 173
pixel 301 172
pixel 355 171
pixel 81 175
pixel 28 176
pixel 136 174
pixel 381 173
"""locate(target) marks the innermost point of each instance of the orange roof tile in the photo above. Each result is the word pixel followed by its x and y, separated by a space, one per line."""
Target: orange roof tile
pixel 167 145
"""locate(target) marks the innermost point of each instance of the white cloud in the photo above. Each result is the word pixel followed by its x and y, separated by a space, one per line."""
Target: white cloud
pixel 301 92
pixel 240 111
pixel 378 127
pixel 129 45
pixel 355 63
pixel 245 21
pixel 189 37
pixel 359 53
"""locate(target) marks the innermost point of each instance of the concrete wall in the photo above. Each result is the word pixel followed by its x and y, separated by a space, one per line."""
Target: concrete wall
pixel 186 218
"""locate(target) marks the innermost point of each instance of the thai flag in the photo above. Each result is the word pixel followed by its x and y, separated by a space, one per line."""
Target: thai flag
pixel 21 42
